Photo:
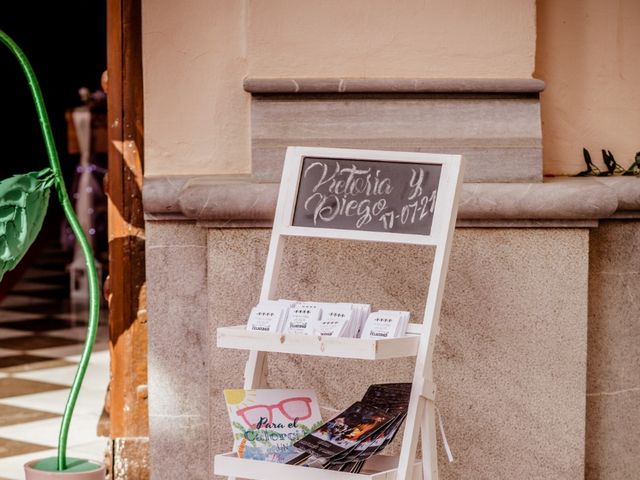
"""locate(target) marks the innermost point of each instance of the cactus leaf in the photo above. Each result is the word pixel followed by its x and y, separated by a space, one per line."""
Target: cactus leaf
pixel 23 205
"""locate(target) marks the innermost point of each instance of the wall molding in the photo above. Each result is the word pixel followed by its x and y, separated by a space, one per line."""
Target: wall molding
pixel 493 122
pixel 239 201
pixel 393 85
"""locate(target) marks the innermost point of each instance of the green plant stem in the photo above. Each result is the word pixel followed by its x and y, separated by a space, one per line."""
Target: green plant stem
pixel 63 197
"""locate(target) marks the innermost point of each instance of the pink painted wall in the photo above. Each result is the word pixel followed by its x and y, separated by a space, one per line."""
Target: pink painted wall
pixel 379 38
pixel 588 53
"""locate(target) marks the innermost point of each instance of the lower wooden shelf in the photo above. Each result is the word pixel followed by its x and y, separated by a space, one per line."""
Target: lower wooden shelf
pixel 378 467
pixel 239 337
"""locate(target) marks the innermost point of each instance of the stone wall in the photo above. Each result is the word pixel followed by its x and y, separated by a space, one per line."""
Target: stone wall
pixel 536 358
pixel 507 334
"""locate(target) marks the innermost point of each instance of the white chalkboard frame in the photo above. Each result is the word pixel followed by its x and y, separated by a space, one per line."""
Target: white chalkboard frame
pixel 421 415
pixel 450 173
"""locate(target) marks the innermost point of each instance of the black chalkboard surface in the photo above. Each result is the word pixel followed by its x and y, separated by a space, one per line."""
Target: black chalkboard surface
pixel 376 196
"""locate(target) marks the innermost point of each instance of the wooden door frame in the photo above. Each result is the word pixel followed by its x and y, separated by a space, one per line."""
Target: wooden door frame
pixel 126 288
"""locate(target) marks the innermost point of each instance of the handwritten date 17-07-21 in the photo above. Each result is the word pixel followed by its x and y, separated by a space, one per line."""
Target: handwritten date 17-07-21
pixel 364 193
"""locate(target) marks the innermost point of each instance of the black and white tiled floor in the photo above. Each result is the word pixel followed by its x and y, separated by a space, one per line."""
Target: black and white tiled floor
pixel 41 338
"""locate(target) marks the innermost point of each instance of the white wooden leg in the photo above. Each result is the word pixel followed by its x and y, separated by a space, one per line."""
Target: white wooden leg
pixel 429 445
pixel 255 372
pixel 407 458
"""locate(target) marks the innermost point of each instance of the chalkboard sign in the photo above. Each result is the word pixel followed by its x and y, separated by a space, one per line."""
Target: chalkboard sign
pixel 376 196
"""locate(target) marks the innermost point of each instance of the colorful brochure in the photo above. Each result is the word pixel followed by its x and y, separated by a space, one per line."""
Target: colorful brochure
pixel 346 441
pixel 344 431
pixel 266 423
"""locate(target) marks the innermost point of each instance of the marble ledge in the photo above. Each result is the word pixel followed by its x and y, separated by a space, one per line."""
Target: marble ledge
pixel 237 202
pixel 393 85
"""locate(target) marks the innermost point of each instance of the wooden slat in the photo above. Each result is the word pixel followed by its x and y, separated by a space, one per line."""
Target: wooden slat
pixel 366 349
pixel 379 467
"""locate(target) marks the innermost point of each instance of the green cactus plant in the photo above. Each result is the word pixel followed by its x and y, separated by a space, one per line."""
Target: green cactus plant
pixel 23 206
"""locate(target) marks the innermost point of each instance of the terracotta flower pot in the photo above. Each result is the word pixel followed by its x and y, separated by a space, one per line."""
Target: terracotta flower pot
pixel 78 470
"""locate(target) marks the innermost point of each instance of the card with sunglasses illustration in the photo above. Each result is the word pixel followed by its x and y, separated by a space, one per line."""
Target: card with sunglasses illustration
pixel 266 422
pixel 343 432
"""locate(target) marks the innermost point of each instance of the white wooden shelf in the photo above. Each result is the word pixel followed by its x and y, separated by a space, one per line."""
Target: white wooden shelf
pixel 378 467
pixel 239 337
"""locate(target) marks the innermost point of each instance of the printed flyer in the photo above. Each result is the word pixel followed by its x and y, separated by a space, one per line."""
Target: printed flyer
pixel 266 423
pixel 346 441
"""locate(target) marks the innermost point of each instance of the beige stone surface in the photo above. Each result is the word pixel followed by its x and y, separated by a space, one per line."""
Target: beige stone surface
pixel 627 190
pixel 235 261
pixel 499 136
pixel 179 346
pixel 510 361
pixel 613 375
pixel 612 450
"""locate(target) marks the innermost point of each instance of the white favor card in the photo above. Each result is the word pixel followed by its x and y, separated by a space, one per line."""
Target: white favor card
pixel 386 324
pixel 302 319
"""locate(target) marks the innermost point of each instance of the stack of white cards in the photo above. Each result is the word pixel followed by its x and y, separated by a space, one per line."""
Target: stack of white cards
pixel 386 324
pixel 342 319
pixel 309 318
pixel 346 320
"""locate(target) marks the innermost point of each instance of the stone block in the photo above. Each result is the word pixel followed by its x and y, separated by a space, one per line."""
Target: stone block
pixel 499 135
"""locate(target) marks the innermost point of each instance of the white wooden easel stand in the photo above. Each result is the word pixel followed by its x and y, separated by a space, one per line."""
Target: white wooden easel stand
pixel 420 341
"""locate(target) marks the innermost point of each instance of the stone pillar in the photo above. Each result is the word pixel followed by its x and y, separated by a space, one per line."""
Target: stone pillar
pixel 613 374
pixel 179 349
